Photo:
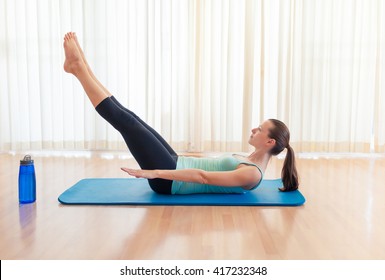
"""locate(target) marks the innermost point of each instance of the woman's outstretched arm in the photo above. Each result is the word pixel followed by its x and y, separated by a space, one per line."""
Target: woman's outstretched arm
pixel 246 176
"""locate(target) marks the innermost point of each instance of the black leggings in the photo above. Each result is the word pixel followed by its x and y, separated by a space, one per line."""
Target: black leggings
pixel 148 148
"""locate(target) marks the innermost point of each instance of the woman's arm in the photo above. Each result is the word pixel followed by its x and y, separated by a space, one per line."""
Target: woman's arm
pixel 246 176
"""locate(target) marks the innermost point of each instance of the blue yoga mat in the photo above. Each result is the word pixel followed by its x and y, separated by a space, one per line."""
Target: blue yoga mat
pixel 127 191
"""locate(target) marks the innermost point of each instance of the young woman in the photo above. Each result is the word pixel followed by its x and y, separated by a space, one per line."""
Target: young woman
pixel 169 173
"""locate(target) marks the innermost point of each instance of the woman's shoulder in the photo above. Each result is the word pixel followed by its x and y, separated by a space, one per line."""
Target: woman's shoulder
pixel 243 160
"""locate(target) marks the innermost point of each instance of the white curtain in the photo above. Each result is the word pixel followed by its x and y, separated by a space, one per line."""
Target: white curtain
pixel 334 51
pixel 202 73
pixel 379 84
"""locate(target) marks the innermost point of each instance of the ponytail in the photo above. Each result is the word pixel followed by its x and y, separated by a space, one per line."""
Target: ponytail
pixel 289 172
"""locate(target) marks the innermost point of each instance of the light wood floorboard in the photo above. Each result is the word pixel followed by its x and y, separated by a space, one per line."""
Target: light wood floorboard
pixel 343 217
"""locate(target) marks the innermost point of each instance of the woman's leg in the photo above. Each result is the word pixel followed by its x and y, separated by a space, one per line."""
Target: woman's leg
pixel 154 132
pixel 148 151
pixel 144 146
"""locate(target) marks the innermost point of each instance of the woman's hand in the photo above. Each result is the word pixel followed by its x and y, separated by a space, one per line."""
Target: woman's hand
pixel 140 173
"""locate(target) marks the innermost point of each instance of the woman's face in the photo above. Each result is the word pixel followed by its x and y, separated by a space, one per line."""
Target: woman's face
pixel 260 135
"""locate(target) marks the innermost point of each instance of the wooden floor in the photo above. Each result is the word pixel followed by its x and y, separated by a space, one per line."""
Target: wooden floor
pixel 343 218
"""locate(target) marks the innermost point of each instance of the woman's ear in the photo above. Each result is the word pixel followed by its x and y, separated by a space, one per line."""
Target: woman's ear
pixel 271 142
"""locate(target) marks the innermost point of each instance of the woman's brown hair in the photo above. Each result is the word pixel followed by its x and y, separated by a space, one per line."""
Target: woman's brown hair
pixel 280 133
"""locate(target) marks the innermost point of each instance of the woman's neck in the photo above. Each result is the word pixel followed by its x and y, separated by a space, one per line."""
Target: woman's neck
pixel 260 158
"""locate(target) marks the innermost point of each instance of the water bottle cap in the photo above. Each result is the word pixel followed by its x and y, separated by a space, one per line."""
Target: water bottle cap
pixel 27 160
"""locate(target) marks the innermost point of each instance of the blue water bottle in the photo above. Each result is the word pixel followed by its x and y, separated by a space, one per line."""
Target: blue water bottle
pixel 27 181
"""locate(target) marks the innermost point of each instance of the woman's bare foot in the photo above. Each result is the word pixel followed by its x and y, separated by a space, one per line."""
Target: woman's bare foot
pixel 73 63
pixel 80 49
pixel 87 65
pixel 82 54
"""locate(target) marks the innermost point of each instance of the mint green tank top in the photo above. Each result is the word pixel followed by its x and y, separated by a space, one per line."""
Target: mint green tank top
pixel 228 163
